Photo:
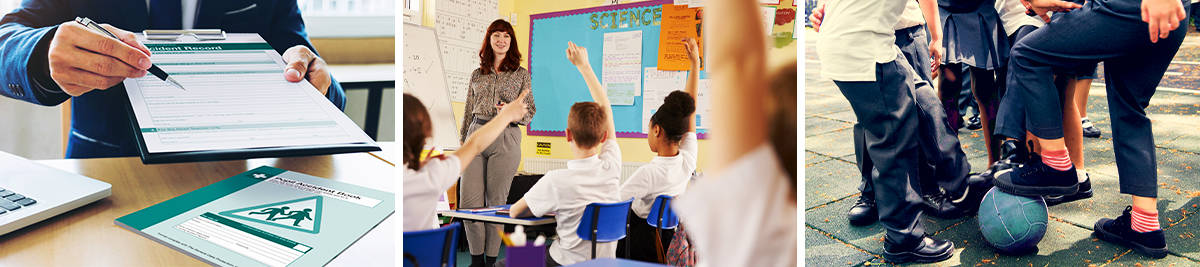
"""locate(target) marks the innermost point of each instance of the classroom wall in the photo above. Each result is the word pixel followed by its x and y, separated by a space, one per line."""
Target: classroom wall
pixel 632 149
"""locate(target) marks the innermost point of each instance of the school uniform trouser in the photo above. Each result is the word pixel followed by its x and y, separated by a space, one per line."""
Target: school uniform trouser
pixel 495 166
pixel 1102 30
pixel 943 162
pixel 1010 116
pixel 888 115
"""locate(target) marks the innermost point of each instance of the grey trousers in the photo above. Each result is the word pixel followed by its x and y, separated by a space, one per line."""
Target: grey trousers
pixel 492 169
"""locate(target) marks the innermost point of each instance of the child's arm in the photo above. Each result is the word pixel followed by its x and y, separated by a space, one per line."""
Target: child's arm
pixel 930 11
pixel 693 78
pixel 520 210
pixel 737 65
pixel 487 133
pixel 578 56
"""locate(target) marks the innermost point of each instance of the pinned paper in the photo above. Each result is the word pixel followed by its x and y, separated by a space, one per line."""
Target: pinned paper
pixel 678 22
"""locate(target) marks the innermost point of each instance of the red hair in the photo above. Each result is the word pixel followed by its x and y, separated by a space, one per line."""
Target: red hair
pixel 487 57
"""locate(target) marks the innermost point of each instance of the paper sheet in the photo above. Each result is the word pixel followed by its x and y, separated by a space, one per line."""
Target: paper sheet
pixel 678 22
pixel 461 26
pixel 703 104
pixel 768 15
pixel 658 84
pixel 622 71
pixel 236 98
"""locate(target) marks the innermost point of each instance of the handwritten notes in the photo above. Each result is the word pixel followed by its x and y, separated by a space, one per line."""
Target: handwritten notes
pixel 622 71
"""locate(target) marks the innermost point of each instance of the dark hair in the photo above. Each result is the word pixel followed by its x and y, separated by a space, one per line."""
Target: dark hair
pixel 674 115
pixel 782 126
pixel 417 128
pixel 512 59
pixel 586 123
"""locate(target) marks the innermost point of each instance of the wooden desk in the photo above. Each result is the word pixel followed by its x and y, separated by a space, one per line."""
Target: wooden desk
pixel 87 236
pixel 492 217
pixel 373 78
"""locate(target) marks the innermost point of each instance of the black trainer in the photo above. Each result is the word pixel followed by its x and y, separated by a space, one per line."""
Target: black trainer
pixel 1090 130
pixel 928 250
pixel 1152 244
pixel 974 123
pixel 948 207
pixel 1085 192
pixel 1034 178
pixel 863 212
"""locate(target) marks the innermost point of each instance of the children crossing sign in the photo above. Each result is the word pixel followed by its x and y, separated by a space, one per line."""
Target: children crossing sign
pixel 302 214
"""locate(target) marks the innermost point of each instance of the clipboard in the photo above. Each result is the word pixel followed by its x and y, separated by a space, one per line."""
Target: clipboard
pixel 196 155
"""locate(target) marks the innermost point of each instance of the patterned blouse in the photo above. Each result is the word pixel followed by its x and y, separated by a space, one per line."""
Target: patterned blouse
pixel 485 90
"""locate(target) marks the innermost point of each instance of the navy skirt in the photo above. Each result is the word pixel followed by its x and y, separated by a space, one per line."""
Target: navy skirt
pixel 973 34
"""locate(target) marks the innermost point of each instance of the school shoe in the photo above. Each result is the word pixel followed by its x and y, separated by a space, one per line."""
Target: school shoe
pixel 927 250
pixel 863 212
pixel 1152 244
pixel 948 207
pixel 1034 178
pixel 1090 130
pixel 1085 191
pixel 974 123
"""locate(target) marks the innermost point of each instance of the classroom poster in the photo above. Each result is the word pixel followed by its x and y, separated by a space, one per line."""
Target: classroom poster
pixel 622 70
pixel 657 84
pixel 678 22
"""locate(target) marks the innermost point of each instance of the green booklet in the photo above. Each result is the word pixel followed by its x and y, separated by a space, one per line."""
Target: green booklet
pixel 265 217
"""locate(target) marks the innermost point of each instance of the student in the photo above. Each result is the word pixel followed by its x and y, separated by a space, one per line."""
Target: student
pixel 876 80
pixel 425 181
pixel 672 136
pixel 945 168
pixel 592 177
pixel 1113 31
pixel 973 37
pixel 744 214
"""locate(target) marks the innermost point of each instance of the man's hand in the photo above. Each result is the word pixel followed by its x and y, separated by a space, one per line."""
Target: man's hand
pixel 303 63
pixel 815 18
pixel 1042 6
pixel 82 60
pixel 1163 16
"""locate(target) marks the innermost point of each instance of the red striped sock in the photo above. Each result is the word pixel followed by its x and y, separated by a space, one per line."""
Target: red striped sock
pixel 1143 221
pixel 1057 159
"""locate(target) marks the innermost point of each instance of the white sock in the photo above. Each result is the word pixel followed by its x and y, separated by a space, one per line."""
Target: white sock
pixel 1083 176
pixel 1086 122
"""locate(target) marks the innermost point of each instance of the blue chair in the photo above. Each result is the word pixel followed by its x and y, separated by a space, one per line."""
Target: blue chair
pixel 433 247
pixel 604 222
pixel 661 217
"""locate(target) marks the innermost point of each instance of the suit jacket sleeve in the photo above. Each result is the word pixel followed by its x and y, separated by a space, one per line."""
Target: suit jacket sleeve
pixel 25 36
pixel 287 31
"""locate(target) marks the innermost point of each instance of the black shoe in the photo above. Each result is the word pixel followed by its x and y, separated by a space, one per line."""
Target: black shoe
pixel 974 123
pixel 1152 244
pixel 928 250
pixel 1085 191
pixel 490 261
pixel 948 207
pixel 863 212
pixel 1034 178
pixel 1090 130
pixel 477 261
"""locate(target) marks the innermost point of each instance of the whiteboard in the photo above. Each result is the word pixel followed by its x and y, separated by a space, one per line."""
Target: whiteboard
pixel 461 26
pixel 425 79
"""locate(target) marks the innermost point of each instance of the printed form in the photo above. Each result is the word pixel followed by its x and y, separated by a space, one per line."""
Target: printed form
pixel 235 98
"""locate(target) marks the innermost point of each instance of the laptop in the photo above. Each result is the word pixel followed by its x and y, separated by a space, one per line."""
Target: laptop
pixel 31 192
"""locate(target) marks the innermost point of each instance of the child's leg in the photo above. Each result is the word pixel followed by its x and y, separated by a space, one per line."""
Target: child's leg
pixel 1072 129
pixel 985 89
pixel 1082 88
pixel 949 87
pixel 886 112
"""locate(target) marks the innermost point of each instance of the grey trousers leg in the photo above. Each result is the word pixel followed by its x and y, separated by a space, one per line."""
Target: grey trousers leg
pixel 497 164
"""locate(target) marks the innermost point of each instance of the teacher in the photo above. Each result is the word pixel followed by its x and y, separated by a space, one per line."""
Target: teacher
pixel 498 80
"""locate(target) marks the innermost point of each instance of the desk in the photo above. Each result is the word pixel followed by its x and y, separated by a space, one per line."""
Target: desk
pixel 492 217
pixel 615 263
pixel 373 78
pixel 87 236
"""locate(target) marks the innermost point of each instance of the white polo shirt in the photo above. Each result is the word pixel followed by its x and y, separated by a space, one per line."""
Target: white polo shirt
pixel 744 216
pixel 662 176
pixel 568 191
pixel 422 188
pixel 1012 15
pixel 855 35
pixel 911 16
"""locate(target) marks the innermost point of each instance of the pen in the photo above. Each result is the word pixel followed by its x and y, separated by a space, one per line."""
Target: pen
pixel 162 75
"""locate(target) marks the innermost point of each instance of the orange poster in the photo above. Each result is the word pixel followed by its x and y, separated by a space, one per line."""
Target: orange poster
pixel 678 22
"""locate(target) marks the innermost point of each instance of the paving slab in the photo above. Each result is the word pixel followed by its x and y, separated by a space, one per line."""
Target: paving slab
pixel 817 125
pixel 830 180
pixel 823 250
pixel 831 218
pixel 834 144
